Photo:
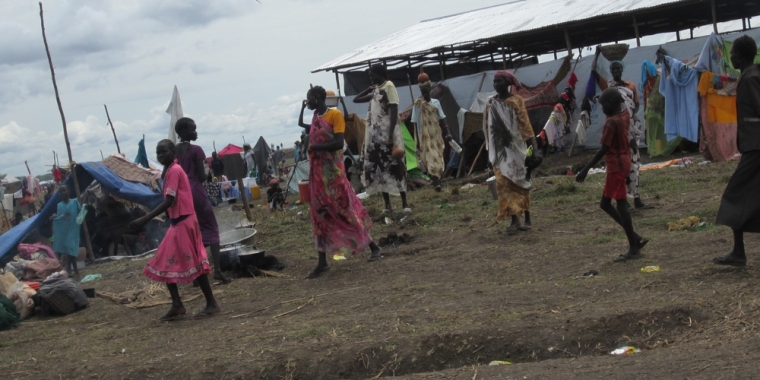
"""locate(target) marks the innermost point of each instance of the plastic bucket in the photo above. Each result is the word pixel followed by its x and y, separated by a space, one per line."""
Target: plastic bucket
pixel 255 192
pixel 491 182
pixel 303 192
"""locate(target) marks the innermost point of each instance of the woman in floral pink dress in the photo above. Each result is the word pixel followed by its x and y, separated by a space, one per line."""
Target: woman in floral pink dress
pixel 181 257
pixel 341 224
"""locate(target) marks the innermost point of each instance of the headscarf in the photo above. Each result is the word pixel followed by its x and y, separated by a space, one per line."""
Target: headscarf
pixel 506 74
pixel 572 80
pixel 426 84
pixel 621 63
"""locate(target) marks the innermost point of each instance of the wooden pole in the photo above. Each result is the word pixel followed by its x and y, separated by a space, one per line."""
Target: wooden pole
pixel 245 199
pixel 101 155
pixel 214 146
pixel 504 57
pixel 6 223
pixel 112 130
pixel 714 16
pixel 340 96
pixel 27 167
pixel 461 162
pixel 440 65
pixel 636 30
pixel 567 42
pixel 88 244
pixel 477 156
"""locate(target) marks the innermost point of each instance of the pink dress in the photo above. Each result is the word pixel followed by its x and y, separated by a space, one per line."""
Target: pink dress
pixel 181 257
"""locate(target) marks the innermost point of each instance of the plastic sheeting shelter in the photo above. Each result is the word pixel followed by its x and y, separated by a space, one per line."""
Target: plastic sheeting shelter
pixel 521 28
pixel 465 89
pixel 86 173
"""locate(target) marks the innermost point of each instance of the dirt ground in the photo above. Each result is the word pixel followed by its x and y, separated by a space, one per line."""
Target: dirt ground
pixel 461 294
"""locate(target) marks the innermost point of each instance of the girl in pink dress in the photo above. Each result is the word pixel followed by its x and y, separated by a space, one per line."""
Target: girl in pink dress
pixel 181 257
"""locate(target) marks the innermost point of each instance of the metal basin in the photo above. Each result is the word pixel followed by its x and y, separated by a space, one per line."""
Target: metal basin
pixel 243 236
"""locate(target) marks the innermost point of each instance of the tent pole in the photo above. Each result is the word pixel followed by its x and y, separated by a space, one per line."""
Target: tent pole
pixel 112 130
pixel 480 151
pixel 88 244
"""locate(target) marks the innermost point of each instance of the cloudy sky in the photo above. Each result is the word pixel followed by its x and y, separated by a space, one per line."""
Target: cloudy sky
pixel 241 66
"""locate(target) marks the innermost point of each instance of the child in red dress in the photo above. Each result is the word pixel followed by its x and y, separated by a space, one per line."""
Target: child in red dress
pixel 181 257
pixel 616 153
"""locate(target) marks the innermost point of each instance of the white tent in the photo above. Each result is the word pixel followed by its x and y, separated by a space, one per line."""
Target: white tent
pixel 175 111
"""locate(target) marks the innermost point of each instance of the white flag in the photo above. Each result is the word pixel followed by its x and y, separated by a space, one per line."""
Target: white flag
pixel 175 111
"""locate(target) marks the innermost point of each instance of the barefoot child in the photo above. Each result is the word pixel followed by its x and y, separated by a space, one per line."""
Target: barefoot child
pixel 181 257
pixel 615 151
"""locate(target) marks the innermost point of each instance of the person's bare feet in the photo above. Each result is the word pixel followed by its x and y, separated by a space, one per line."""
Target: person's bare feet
pixel 318 271
pixel 731 259
pixel 174 313
pixel 632 254
pixel 209 311
pixel 513 228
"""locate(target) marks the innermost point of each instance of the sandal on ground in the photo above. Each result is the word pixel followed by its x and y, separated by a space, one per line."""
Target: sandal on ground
pixel 437 189
pixel 524 227
pixel 374 258
pixel 385 212
pixel 729 260
pixel 645 206
pixel 316 273
pixel 407 210
pixel 643 242
pixel 626 257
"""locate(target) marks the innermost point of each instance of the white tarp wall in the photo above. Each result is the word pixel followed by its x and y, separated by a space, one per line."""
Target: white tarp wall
pixel 465 88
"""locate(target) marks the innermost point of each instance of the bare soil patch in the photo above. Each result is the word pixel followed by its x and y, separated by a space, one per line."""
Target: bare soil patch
pixel 457 295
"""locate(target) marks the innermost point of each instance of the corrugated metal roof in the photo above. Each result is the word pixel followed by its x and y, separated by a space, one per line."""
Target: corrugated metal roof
pixel 514 17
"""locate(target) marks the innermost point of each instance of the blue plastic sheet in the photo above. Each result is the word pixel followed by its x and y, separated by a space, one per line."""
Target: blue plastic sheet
pixel 87 172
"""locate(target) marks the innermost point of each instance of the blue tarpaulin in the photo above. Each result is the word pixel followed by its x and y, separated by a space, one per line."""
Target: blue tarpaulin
pixel 86 173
